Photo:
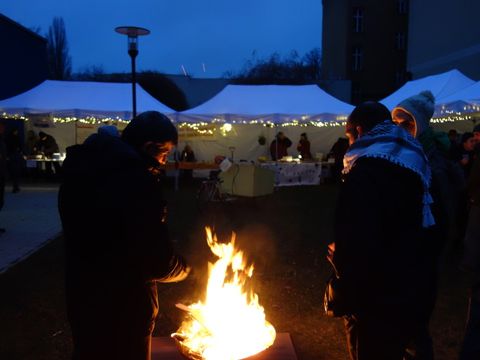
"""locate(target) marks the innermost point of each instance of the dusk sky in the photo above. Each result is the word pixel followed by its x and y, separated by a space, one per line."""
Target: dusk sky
pixel 222 34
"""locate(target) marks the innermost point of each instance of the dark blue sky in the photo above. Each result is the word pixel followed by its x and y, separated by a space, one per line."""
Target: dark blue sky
pixel 222 34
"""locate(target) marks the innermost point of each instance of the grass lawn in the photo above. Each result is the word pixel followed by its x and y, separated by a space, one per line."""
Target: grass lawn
pixel 284 234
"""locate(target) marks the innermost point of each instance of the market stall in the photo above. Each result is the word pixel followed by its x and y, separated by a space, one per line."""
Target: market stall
pixel 72 110
pixel 241 121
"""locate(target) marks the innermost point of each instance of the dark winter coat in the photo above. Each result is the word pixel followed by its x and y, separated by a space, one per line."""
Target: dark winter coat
pixel 48 146
pixel 303 148
pixel 473 184
pixel 280 150
pixel 381 255
pixel 114 221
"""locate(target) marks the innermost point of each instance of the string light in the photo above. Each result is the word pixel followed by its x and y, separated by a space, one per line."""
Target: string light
pixel 209 128
pixel 64 120
pixel 445 119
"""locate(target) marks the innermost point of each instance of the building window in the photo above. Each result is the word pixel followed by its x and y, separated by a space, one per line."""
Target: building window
pixel 357 20
pixel 402 6
pixel 357 59
pixel 400 41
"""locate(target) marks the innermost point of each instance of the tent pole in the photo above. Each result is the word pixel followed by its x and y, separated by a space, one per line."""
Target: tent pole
pixel 275 123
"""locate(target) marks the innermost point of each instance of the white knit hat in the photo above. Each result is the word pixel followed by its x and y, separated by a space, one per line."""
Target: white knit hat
pixel 421 107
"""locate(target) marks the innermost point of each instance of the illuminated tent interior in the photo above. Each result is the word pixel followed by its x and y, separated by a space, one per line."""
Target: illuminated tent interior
pixel 234 120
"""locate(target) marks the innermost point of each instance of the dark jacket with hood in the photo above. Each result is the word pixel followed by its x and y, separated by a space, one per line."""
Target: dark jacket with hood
pixel 117 245
pixel 380 249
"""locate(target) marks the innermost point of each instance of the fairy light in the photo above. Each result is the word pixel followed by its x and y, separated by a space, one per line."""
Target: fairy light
pixel 92 120
pixel 210 128
pixel 454 118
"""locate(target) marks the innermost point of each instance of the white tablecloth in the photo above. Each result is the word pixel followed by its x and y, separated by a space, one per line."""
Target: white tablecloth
pixel 291 174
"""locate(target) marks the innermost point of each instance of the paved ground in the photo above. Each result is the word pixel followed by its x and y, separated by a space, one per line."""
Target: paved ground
pixel 31 219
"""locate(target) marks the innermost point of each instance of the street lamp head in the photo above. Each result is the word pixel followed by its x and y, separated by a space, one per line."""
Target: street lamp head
pixel 133 32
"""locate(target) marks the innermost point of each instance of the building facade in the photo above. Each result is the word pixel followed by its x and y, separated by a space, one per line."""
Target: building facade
pixel 444 35
pixel 24 64
pixel 365 43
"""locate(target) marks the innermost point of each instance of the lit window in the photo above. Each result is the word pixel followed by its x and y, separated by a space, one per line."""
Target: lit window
pixel 357 20
pixel 357 59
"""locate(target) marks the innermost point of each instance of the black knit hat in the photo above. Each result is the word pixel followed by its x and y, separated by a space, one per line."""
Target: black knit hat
pixel 149 126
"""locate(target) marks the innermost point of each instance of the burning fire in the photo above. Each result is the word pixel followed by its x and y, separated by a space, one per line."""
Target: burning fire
pixel 230 324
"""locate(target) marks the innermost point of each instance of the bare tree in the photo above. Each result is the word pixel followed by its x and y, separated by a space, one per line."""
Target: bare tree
pixel 312 62
pixel 59 60
pixel 90 73
pixel 277 70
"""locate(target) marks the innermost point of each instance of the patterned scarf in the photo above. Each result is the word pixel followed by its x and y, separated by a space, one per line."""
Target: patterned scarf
pixel 392 143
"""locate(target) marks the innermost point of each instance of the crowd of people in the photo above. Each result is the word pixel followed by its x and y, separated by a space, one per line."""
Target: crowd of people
pixel 404 187
pixel 402 182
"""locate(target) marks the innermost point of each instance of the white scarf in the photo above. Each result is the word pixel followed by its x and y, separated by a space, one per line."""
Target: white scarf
pixel 392 143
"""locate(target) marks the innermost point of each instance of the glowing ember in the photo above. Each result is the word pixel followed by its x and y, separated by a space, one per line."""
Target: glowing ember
pixel 230 324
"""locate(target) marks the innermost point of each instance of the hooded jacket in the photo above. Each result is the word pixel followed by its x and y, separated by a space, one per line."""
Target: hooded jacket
pixel 117 245
pixel 447 176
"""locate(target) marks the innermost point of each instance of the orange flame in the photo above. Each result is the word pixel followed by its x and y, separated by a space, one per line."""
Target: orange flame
pixel 230 324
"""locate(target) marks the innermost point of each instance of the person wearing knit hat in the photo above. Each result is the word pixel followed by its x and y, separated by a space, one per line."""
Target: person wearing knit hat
pixel 414 115
pixel 116 258
pixel 152 134
pixel 415 112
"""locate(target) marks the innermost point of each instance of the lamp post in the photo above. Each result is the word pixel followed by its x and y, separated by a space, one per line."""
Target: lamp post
pixel 133 32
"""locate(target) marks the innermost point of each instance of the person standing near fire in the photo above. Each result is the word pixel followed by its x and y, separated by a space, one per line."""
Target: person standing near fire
pixel 414 114
pixel 379 255
pixel 117 244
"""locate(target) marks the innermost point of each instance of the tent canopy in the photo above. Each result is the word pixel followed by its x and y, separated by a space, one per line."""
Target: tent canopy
pixel 463 101
pixel 441 85
pixel 82 99
pixel 276 103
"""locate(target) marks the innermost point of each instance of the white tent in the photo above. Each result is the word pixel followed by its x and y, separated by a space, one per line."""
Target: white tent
pixel 82 99
pixel 463 101
pixel 249 108
pixel 277 103
pixel 441 85
pixel 77 99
